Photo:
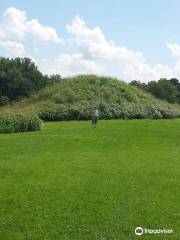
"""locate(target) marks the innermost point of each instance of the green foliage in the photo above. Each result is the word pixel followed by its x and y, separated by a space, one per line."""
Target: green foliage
pixel 169 114
pixel 73 99
pixel 4 100
pixel 19 123
pixel 163 89
pixel 61 113
pixel 107 111
pixel 19 77
pixel 88 88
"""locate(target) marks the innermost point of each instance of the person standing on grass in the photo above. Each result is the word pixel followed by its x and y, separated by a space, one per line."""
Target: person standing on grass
pixel 94 117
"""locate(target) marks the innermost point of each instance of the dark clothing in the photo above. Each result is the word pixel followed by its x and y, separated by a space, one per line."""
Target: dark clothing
pixel 94 120
pixel 94 117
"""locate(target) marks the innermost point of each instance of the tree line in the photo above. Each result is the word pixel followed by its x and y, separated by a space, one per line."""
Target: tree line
pixel 19 78
pixel 167 89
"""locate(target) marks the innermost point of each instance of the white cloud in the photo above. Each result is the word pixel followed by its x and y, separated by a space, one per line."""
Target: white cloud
pixel 13 48
pixel 93 43
pixel 125 63
pixel 95 54
pixel 175 51
pixel 144 72
pixel 71 64
pixel 177 68
pixel 16 25
pixel 174 48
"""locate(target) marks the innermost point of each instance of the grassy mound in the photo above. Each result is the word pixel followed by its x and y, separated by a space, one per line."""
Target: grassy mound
pixel 74 98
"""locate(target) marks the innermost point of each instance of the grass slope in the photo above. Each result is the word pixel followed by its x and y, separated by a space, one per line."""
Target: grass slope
pixel 90 90
pixel 71 182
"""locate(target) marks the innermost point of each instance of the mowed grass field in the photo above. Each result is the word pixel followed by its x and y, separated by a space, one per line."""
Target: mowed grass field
pixel 72 182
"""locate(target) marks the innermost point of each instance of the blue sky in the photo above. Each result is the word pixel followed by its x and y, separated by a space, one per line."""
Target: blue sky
pixel 145 35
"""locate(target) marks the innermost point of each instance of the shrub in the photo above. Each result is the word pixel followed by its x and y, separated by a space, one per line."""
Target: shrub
pixel 168 114
pixel 61 113
pixel 6 124
pixel 4 100
pixel 154 113
pixel 19 123
pixel 107 111
pixel 57 113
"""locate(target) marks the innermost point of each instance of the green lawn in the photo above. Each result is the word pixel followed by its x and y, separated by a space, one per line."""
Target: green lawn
pixel 72 182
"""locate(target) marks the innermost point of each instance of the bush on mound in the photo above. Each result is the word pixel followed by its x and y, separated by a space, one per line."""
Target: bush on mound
pixel 107 111
pixel 64 113
pixel 19 123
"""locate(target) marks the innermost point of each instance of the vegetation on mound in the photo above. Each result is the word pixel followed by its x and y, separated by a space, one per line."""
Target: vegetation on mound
pixel 19 123
pixel 54 98
pixel 73 99
pixel 61 113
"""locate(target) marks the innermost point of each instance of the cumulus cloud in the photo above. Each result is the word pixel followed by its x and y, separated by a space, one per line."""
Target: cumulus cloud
pixel 175 51
pixel 174 48
pixel 124 62
pixel 71 64
pixel 14 48
pixel 15 24
pixel 93 43
pixel 90 50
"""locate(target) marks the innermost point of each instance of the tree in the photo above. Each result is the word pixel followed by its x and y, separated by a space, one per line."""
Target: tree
pixel 174 81
pixel 163 89
pixel 19 77
pixel 138 84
